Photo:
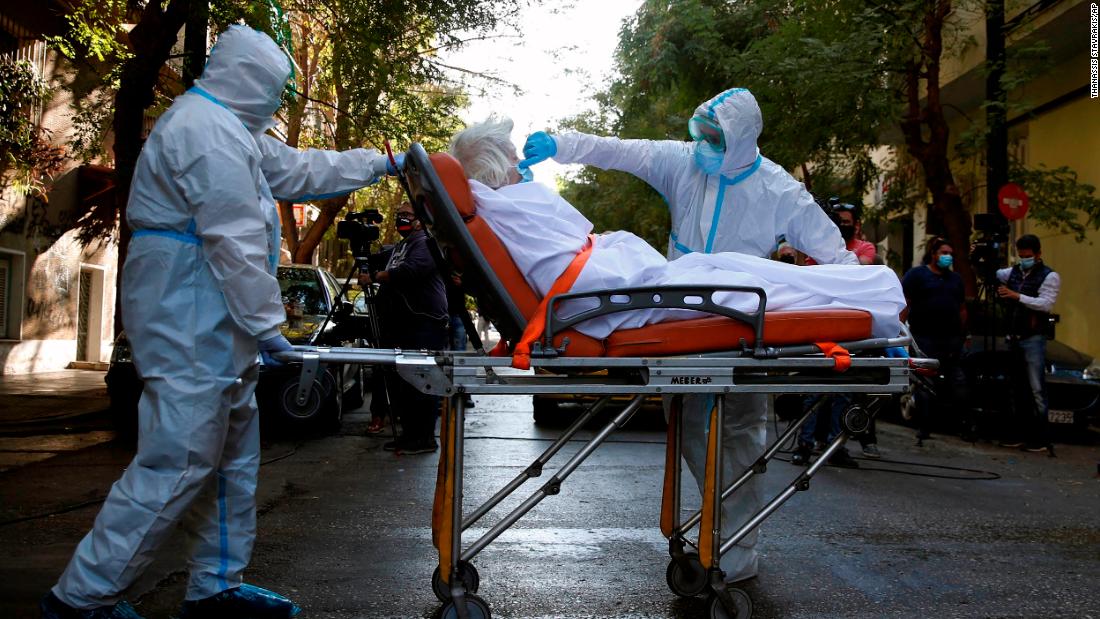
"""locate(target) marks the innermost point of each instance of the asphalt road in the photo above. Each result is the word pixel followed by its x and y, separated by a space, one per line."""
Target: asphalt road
pixel 344 530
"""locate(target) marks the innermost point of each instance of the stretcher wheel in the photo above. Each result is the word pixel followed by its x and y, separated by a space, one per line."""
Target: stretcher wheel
pixel 686 582
pixel 742 605
pixel 476 608
pixel 467 573
pixel 856 420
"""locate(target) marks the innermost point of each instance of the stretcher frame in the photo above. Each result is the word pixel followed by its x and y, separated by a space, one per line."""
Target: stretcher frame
pixel 752 368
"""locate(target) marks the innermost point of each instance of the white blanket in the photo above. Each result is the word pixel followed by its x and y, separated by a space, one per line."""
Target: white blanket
pixel 543 233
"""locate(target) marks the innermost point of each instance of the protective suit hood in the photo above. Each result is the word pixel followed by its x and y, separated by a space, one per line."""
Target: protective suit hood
pixel 737 112
pixel 247 73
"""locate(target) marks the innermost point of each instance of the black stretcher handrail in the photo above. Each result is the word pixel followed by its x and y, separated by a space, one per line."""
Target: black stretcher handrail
pixel 656 297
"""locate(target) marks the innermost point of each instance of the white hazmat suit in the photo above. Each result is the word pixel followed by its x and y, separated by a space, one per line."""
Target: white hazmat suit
pixel 746 207
pixel 199 292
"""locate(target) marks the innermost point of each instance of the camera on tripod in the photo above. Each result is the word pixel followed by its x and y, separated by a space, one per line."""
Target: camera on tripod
pixel 360 229
pixel 990 251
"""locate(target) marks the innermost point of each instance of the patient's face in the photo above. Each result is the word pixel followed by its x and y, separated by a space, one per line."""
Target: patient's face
pixel 513 173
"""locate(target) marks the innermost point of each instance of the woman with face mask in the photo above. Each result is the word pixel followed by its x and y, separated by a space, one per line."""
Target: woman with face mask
pixel 937 317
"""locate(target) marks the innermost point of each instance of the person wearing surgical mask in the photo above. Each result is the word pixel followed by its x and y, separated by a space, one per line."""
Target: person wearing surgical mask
pixel 848 222
pixel 412 303
pixel 201 308
pixel 935 295
pixel 1029 290
pixel 723 196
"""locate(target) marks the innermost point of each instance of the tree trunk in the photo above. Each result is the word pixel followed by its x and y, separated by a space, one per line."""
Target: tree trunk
pixel 151 41
pixel 329 208
pixel 932 153
pixel 286 207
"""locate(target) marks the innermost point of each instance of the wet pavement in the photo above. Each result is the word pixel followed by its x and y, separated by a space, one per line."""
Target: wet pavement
pixel 344 529
pixel 44 414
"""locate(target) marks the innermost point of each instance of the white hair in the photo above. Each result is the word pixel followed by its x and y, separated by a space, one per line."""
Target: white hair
pixel 486 152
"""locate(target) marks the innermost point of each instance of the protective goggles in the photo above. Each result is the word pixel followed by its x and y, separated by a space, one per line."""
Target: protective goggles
pixel 705 129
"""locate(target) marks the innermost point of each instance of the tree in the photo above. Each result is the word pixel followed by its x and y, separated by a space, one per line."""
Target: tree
pixel 26 157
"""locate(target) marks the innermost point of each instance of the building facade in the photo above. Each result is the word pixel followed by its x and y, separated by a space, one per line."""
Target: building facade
pixel 56 295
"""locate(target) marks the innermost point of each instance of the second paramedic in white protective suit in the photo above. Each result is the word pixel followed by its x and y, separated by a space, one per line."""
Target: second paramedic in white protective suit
pixel 723 196
pixel 200 301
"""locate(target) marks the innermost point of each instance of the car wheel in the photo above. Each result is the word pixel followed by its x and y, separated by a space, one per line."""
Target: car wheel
pixel 545 411
pixel 354 397
pixel 333 416
pixel 124 391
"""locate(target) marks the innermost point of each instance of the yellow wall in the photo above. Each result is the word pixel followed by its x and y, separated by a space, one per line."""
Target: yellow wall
pixel 1070 136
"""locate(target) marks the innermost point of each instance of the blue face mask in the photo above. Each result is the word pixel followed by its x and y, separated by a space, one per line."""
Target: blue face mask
pixel 525 174
pixel 708 157
pixel 945 261
pixel 1027 263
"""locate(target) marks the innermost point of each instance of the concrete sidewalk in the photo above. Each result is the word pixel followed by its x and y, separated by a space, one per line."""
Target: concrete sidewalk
pixel 51 396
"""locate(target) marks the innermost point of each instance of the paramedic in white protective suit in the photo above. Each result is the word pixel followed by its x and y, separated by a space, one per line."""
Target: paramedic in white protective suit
pixel 723 196
pixel 200 301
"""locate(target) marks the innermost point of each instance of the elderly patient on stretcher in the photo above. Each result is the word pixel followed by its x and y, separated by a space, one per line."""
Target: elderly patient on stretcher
pixel 543 233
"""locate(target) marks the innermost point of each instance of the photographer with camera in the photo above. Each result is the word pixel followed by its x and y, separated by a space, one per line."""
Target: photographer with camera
pixel 1030 289
pixel 938 320
pixel 412 302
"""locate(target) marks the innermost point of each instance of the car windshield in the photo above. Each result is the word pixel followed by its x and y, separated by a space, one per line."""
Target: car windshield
pixel 304 299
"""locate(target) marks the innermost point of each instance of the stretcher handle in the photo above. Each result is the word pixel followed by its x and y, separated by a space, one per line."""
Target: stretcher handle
pixel 657 297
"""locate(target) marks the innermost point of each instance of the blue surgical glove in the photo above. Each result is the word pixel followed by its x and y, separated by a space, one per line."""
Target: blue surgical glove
pixel 897 352
pixel 539 147
pixel 272 345
pixel 390 169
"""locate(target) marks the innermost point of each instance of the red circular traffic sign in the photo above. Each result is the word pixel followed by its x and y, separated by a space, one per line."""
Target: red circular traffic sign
pixel 1012 199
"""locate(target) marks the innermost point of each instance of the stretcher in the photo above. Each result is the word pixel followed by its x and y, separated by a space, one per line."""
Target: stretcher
pixel 724 353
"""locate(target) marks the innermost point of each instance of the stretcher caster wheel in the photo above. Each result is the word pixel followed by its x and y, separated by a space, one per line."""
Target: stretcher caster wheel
pixel 742 605
pixel 856 420
pixel 476 608
pixel 687 581
pixel 467 573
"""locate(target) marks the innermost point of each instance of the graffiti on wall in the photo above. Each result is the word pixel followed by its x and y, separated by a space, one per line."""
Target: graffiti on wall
pixel 51 292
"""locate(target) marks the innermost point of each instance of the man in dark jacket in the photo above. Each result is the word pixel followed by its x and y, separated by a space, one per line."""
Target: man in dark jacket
pixel 1030 289
pixel 413 306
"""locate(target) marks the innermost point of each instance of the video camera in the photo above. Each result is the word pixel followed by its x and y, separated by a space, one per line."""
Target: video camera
pixel 990 251
pixel 360 229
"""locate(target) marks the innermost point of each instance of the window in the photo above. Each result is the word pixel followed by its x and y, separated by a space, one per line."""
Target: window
pixel 11 293
pixel 5 293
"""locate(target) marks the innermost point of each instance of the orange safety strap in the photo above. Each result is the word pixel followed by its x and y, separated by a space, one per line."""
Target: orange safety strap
pixel 500 350
pixel 521 355
pixel 841 358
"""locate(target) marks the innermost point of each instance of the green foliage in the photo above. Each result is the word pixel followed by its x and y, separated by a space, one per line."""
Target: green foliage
pixel 96 31
pixel 26 157
pixel 381 64
pixel 1058 200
